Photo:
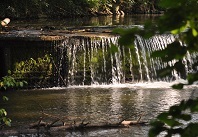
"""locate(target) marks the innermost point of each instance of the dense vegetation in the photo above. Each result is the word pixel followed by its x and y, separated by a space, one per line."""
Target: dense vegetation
pixel 71 8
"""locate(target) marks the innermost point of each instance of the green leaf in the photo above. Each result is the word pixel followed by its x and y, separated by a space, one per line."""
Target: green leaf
pixel 193 104
pixel 163 116
pixel 7 121
pixel 194 32
pixel 159 53
pixel 175 31
pixel 178 86
pixel 170 3
pixel 9 72
pixel 127 36
pixel 21 84
pixel 114 48
pixel 118 31
pixel 185 117
pixel 165 71
pixel 183 105
pixel 5 113
pixel 126 40
pixel 172 122
pixel 94 59
pixel 194 108
pixel 192 78
pixel 8 83
pixel 157 123
pixel 175 50
pixel 12 84
pixel 5 98
pixel 172 51
pixel 180 67
pixel 25 82
pixel 153 132
pixel 17 84
pixel 2 112
pixel 157 127
pixel 181 29
pixel 175 111
pixel 191 130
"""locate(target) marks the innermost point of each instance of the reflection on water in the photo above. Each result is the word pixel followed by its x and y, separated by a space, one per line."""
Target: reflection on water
pixel 87 21
pixel 95 104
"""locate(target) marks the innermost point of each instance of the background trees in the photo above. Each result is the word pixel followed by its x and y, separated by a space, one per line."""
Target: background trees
pixel 71 8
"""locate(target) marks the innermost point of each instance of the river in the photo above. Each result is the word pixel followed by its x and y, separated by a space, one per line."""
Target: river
pixel 64 23
pixel 95 104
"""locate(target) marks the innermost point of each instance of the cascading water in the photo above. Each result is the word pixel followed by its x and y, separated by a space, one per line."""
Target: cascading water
pixel 92 62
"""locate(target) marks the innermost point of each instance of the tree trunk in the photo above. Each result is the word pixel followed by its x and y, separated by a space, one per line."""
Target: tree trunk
pixel 116 7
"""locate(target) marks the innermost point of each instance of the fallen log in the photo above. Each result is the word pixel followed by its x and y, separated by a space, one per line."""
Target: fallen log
pixel 81 126
pixel 42 127
pixel 57 123
pixel 57 128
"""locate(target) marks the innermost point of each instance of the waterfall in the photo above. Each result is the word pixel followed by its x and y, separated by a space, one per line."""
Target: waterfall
pixel 91 61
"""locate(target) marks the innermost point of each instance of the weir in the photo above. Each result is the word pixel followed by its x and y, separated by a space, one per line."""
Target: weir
pixel 92 61
pixel 66 60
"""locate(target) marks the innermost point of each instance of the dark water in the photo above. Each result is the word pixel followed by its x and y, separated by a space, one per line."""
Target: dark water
pixel 86 21
pixel 97 104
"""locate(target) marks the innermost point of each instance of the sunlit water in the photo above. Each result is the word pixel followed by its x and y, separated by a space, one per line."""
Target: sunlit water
pixel 97 104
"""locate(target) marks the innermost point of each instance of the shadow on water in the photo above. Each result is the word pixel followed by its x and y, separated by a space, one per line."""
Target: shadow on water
pixel 95 104
pixel 86 21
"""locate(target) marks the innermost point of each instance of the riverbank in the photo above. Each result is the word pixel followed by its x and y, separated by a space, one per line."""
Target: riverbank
pixel 83 8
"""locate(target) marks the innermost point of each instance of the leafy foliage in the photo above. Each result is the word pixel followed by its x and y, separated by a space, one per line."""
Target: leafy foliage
pixel 3 118
pixel 170 123
pixel 180 19
pixel 10 82
pixel 27 68
pixel 185 28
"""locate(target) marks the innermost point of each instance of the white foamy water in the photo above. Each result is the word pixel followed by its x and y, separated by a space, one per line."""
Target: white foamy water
pixel 144 85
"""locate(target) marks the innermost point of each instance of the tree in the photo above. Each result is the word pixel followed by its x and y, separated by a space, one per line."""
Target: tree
pixel 70 8
pixel 179 19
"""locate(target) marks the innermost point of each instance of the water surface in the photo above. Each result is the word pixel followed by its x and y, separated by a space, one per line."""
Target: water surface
pixel 86 21
pixel 97 104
